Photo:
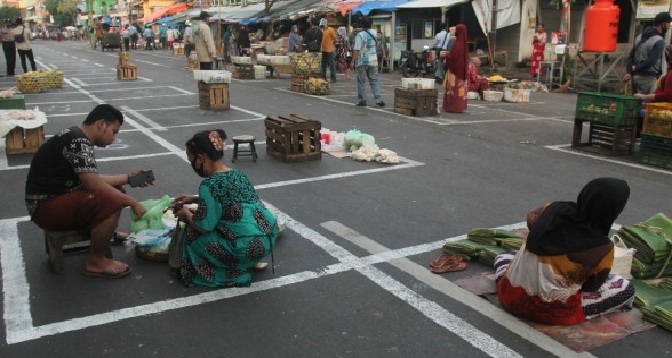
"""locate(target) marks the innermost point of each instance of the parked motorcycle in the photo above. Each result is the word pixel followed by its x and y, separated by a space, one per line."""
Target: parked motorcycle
pixel 414 64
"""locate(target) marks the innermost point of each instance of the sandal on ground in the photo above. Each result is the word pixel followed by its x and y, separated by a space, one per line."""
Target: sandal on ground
pixel 448 263
pixel 107 274
pixel 446 258
pixel 260 266
pixel 451 266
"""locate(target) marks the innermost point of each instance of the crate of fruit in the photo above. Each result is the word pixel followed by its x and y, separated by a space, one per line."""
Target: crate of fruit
pixel 658 119
pixel 605 108
pixel 656 151
pixel 306 63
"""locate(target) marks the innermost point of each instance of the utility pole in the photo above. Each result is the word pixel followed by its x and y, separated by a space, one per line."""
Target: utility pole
pixel 493 33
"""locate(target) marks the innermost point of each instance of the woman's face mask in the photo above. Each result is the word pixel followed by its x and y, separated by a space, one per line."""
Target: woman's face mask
pixel 199 170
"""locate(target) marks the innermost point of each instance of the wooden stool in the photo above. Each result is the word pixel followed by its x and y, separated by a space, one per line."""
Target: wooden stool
pixel 244 139
pixel 58 243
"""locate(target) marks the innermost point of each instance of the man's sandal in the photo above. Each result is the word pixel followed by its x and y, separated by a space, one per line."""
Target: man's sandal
pixel 448 263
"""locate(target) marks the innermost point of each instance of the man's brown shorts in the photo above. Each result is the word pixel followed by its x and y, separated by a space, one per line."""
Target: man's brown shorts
pixel 78 209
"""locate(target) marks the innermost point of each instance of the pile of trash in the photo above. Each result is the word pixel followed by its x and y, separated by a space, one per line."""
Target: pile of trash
pixel 362 146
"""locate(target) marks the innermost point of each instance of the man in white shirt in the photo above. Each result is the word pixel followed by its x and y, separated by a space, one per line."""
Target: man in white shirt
pixel 442 42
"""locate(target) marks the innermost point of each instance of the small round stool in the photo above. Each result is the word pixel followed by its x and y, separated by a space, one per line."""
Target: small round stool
pixel 244 139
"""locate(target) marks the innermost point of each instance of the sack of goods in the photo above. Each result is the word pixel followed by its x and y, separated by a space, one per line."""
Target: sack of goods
pixel 317 86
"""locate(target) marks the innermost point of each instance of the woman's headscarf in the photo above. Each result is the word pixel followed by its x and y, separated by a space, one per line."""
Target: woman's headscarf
pixel 567 227
pixel 341 31
pixel 459 54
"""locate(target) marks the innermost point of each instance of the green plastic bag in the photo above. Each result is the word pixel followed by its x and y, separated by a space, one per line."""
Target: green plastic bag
pixel 153 218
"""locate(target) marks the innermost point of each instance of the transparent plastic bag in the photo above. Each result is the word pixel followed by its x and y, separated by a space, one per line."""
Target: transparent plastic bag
pixel 153 218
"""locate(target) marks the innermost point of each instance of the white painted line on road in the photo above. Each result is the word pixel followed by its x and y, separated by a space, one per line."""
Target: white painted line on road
pixel 429 309
pixel 457 293
pixel 145 79
pixel 201 124
pixel 138 110
pixel 248 111
pixel 4 163
pixel 181 90
pixel 152 63
pixel 142 118
pixel 98 64
pixel 99 160
pixel 15 287
pixel 110 100
pixel 84 60
pixel 562 148
pixel 407 165
pixel 78 81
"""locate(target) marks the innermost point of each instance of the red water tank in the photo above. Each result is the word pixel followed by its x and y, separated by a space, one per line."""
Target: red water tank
pixel 601 30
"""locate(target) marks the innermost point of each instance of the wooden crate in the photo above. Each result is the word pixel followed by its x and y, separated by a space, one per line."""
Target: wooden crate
pixel 127 73
pixel 243 71
pixel 415 102
pixel 178 51
pixel 298 83
pixel 20 140
pixel 293 138
pixel 213 96
pixel 124 57
pixel 605 139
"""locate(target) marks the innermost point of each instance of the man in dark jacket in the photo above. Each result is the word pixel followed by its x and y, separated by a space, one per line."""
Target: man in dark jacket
pixel 644 62
pixel 313 37
pixel 9 47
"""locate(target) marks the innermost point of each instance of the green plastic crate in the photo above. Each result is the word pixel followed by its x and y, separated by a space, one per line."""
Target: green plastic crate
pixel 605 108
pixel 656 151
pixel 14 102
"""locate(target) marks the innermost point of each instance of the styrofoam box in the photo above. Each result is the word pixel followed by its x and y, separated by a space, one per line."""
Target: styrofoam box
pixel 279 59
pixel 472 95
pixel 259 72
pixel 238 59
pixel 410 82
pixel 493 96
pixel 263 58
pixel 514 95
pixel 213 76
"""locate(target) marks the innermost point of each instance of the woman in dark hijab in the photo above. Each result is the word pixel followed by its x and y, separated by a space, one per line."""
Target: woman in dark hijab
pixel 562 273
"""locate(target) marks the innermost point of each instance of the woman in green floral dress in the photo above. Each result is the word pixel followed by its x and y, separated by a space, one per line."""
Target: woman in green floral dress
pixel 230 231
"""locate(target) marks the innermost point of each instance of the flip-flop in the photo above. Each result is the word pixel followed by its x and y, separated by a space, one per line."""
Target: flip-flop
pixel 106 274
pixel 445 259
pixel 450 267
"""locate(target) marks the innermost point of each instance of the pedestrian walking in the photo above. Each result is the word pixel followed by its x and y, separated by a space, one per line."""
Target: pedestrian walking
pixel 187 39
pixel 133 32
pixel 8 47
pixel 365 63
pixel 327 47
pixel 343 51
pixel 204 44
pixel 644 62
pixel 22 36
pixel 126 37
pixel 149 38
pixel 163 36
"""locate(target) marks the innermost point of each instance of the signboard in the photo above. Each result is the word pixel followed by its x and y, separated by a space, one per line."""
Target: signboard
pixel 648 9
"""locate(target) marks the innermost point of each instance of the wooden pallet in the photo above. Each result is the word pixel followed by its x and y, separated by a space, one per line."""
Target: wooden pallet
pixel 293 138
pixel 605 139
pixel 20 140
pixel 127 73
pixel 213 96
pixel 415 102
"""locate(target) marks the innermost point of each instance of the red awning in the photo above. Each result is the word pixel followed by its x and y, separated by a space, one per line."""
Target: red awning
pixel 344 7
pixel 175 8
pixel 153 16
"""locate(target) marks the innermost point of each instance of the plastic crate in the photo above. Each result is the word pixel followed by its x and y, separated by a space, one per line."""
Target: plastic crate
pixel 605 108
pixel 658 120
pixel 656 151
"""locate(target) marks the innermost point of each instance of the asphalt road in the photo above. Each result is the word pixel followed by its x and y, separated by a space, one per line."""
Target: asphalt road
pixel 351 277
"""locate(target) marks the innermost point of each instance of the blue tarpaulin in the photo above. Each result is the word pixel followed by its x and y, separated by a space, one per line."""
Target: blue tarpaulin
pixel 368 6
pixel 165 20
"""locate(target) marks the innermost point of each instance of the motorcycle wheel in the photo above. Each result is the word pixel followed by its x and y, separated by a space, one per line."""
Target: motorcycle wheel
pixel 406 72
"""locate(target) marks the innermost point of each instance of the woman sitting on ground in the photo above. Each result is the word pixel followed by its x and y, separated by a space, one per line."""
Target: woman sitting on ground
pixel 561 275
pixel 476 83
pixel 230 231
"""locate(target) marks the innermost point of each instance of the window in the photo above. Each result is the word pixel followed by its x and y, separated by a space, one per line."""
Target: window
pixel 419 29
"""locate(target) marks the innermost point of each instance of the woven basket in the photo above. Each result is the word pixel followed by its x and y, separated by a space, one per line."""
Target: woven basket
pixel 317 86
pixel 306 63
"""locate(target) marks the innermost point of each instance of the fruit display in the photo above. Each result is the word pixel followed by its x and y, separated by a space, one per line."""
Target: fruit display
pixel 497 78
